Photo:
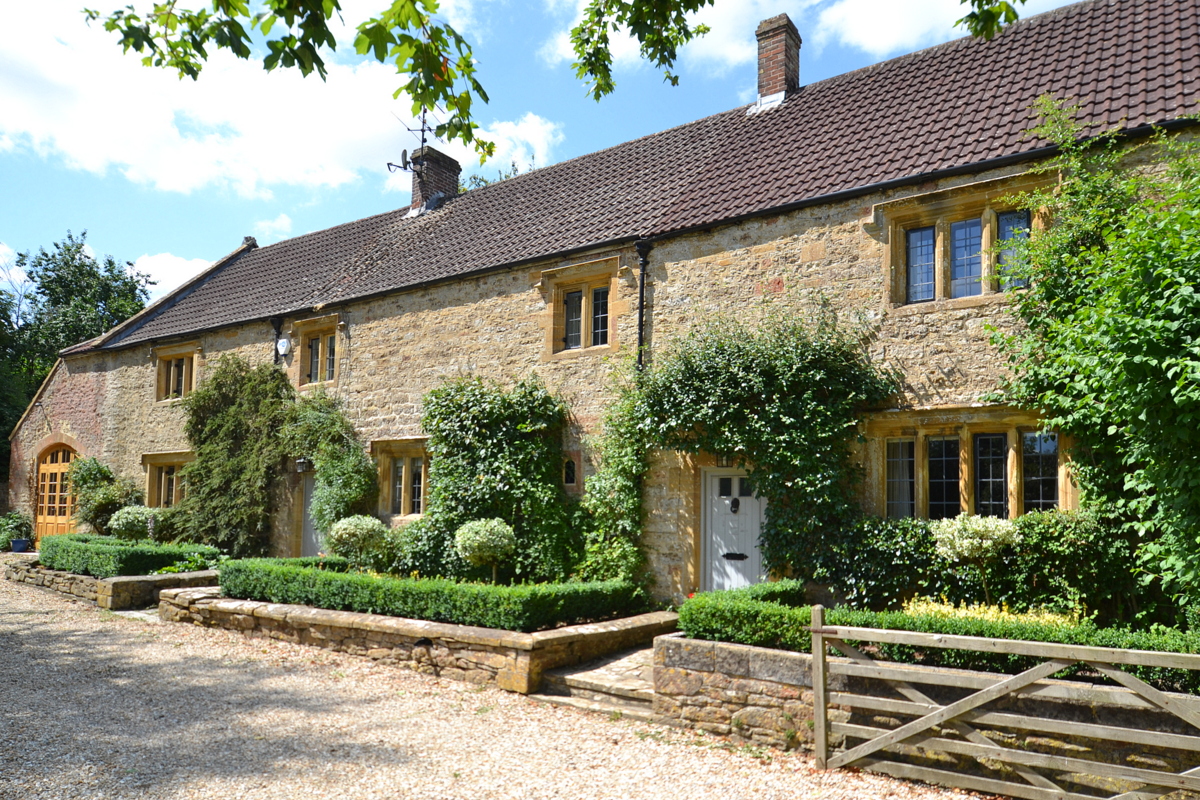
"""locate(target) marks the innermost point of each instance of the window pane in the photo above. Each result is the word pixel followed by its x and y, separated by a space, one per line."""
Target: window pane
pixel 397 485
pixel 745 488
pixel 900 480
pixel 573 320
pixel 330 347
pixel 415 485
pixel 1010 226
pixel 725 487
pixel 168 487
pixel 569 472
pixel 944 501
pixel 920 265
pixel 177 378
pixel 966 262
pixel 991 475
pixel 599 317
pixel 1039 465
pixel 314 358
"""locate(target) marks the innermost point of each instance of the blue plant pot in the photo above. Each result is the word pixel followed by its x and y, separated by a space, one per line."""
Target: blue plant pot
pixel 20 545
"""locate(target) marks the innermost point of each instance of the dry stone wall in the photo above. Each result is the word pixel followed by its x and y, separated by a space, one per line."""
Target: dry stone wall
pixel 115 594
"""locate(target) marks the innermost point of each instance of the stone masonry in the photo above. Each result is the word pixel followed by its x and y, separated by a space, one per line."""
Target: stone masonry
pixel 114 594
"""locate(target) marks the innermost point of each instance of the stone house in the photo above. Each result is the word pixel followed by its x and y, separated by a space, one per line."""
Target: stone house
pixel 884 188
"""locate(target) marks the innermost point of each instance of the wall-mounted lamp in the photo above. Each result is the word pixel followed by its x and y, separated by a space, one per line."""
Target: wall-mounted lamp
pixel 303 465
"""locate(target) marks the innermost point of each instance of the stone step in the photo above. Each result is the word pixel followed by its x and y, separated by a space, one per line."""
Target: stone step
pixel 585 685
pixel 608 705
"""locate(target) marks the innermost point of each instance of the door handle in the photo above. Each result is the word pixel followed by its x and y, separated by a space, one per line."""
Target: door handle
pixel 734 556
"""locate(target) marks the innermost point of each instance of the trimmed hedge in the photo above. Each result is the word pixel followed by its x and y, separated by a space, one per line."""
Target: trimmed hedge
pixel 524 607
pixel 107 557
pixel 742 617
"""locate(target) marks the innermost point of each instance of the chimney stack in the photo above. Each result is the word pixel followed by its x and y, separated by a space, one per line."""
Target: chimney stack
pixel 778 59
pixel 433 173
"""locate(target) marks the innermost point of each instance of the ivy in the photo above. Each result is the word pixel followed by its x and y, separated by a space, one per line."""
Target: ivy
pixel 495 454
pixel 780 399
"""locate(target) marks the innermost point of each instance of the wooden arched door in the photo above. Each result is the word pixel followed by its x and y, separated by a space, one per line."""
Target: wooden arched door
pixel 55 502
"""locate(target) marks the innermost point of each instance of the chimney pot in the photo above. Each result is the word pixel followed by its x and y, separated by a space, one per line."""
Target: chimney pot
pixel 434 172
pixel 778 58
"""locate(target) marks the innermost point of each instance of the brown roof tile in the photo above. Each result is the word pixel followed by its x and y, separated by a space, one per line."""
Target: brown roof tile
pixel 944 108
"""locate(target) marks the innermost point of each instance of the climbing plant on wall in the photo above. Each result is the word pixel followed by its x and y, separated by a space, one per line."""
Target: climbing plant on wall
pixel 243 424
pixel 495 453
pixel 780 398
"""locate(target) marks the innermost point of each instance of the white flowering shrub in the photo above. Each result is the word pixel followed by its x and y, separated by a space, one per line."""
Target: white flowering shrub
pixel 485 541
pixel 972 538
pixel 357 538
pixel 131 522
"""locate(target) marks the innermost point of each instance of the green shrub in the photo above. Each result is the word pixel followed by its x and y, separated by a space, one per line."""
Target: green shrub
pixel 882 563
pixel 106 557
pixel 99 493
pixel 524 607
pixel 740 616
pixel 1066 560
pixel 358 539
pixel 485 542
pixel 132 522
pixel 14 525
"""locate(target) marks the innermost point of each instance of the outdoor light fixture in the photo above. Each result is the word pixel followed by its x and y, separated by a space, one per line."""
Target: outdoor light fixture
pixel 303 465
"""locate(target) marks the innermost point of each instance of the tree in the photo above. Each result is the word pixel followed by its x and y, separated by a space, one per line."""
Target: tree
pixel 70 297
pixel 1110 346
pixel 435 58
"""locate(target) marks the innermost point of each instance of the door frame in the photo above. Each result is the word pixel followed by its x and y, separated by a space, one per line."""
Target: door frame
pixel 38 491
pixel 705 540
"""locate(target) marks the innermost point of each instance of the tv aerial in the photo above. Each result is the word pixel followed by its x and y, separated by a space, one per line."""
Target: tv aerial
pixel 407 164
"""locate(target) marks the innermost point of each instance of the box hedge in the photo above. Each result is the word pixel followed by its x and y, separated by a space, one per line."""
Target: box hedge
pixel 107 557
pixel 744 616
pixel 523 607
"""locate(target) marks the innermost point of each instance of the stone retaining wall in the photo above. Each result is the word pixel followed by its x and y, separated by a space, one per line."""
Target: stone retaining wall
pixel 513 661
pixel 124 591
pixel 764 696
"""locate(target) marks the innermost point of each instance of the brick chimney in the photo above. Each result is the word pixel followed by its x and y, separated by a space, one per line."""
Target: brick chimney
pixel 778 58
pixel 433 173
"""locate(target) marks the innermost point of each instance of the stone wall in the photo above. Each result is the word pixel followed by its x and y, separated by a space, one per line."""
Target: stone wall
pixel 115 594
pixel 510 660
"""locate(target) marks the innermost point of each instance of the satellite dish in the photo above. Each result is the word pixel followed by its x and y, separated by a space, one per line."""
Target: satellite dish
pixel 283 346
pixel 404 159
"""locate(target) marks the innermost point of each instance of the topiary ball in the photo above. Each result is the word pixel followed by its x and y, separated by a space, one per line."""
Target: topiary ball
pixel 131 522
pixel 356 538
pixel 485 541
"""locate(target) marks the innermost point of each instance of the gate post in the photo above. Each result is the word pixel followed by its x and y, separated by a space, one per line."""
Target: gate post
pixel 820 700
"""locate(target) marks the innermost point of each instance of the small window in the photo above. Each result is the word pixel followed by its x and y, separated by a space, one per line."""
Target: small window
pixel 1039 471
pixel 901 496
pixel 991 475
pixel 725 487
pixel 164 479
pixel 320 357
pixel 569 472
pixel 966 258
pixel 599 316
pixel 922 249
pixel 745 488
pixel 175 375
pixel 1011 226
pixel 943 464
pixel 406 493
pixel 584 307
pixel 573 320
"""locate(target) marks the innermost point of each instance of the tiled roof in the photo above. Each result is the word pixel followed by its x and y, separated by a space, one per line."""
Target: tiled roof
pixel 1127 62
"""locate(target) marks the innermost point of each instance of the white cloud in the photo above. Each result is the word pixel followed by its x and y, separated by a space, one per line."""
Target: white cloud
pixel 7 255
pixel 274 229
pixel 69 94
pixel 168 271
pixel 557 49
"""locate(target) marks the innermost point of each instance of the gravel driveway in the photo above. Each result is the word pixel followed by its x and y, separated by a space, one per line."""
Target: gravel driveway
pixel 96 705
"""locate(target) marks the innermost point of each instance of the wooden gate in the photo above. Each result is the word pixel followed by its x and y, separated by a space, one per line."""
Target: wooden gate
pixel 55 502
pixel 947 729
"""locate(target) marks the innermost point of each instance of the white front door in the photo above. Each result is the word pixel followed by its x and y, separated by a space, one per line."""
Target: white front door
pixel 309 543
pixel 733 519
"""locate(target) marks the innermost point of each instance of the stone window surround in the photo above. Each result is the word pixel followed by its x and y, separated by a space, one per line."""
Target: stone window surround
pixel 983 200
pixel 165 358
pixel 305 331
pixel 963 423
pixel 151 462
pixel 387 453
pixel 586 276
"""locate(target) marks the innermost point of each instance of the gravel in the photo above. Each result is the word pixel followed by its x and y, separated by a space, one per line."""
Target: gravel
pixel 99 705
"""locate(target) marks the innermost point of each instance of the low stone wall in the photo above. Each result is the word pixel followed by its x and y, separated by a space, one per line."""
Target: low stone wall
pixel 513 661
pixel 749 693
pixel 764 696
pixel 122 592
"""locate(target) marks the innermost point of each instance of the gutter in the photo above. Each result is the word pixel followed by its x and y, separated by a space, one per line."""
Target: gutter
pixel 644 246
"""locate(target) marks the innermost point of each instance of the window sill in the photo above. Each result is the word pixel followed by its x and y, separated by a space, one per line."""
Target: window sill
pixel 935 306
pixel 576 352
pixel 169 401
pixel 314 384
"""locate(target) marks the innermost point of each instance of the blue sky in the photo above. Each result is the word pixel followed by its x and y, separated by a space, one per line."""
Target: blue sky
pixel 172 174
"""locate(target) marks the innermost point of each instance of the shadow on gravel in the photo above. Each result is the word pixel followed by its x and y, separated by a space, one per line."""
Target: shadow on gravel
pixel 84 700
